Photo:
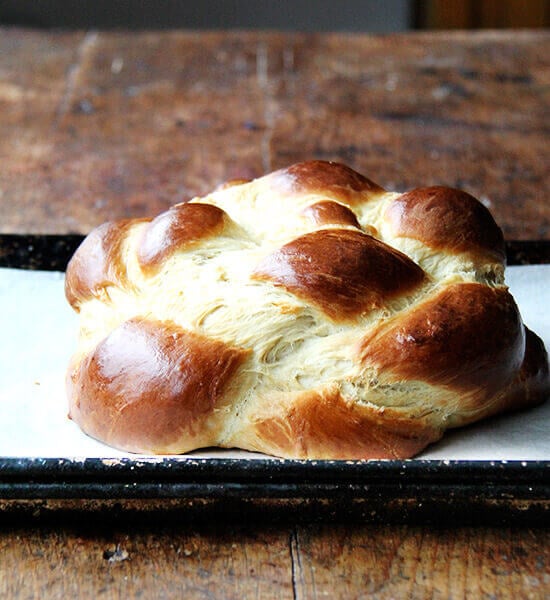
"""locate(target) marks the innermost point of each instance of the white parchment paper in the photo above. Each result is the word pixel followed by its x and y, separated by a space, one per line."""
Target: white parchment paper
pixel 39 331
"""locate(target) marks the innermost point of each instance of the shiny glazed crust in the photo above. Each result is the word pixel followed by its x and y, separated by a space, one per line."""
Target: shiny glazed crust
pixel 307 314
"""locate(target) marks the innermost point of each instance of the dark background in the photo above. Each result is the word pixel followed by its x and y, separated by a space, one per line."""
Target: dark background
pixel 378 16
pixel 305 15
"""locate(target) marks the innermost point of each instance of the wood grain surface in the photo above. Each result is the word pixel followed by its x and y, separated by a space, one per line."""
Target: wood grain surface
pixel 97 126
pixel 242 556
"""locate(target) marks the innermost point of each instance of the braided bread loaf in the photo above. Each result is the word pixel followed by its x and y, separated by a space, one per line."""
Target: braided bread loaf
pixel 307 314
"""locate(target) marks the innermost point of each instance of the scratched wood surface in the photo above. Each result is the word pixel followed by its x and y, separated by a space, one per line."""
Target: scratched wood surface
pixel 244 557
pixel 97 126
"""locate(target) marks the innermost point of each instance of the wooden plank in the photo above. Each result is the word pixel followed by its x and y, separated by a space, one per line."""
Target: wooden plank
pixel 535 13
pixel 482 14
pixel 118 125
pixel 238 560
pixel 175 562
pixel 439 111
pixel 137 126
pixel 448 14
pixel 349 562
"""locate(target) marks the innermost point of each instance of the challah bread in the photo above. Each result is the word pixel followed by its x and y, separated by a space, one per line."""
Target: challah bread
pixel 307 314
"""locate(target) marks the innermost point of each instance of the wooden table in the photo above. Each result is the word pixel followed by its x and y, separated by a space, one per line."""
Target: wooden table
pixel 97 126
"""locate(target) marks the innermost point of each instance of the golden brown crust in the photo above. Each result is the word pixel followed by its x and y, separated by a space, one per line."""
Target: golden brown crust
pixel 231 183
pixel 332 179
pixel 467 336
pixel 327 212
pixel 179 228
pixel 531 385
pixel 264 316
pixel 149 385
pixel 343 272
pixel 446 219
pixel 325 425
pixel 534 368
pixel 98 263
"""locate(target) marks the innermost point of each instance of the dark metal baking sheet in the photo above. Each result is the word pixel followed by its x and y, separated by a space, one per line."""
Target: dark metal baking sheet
pixel 414 491
pixel 52 252
pixel 381 482
pixel 270 478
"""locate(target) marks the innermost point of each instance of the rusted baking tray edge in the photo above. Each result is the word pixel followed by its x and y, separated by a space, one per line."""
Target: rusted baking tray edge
pixel 169 477
pixel 52 252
